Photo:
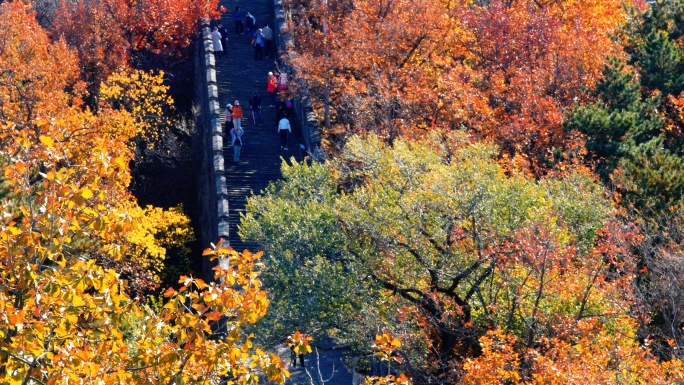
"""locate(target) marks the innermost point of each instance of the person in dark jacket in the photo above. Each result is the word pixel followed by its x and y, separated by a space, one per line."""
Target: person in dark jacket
pixel 237 18
pixel 229 117
pixel 289 106
pixel 268 40
pixel 280 108
pixel 224 36
pixel 255 106
pixel 250 24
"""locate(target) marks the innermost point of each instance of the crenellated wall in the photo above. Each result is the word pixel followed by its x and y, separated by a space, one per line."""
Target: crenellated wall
pixel 208 149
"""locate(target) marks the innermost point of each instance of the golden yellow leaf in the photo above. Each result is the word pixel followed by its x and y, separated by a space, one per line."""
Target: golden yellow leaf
pixel 47 141
pixel 86 193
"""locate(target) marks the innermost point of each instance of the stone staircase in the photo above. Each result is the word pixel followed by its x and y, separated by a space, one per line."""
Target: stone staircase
pixel 238 75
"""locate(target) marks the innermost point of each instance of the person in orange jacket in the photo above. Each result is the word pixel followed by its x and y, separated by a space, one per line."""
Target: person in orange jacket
pixel 237 115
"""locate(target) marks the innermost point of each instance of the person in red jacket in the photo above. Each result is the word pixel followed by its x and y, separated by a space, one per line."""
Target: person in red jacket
pixel 272 87
pixel 237 115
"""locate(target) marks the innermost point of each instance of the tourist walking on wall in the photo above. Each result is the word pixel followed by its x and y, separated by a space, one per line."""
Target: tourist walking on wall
pixel 250 24
pixel 284 129
pixel 258 45
pixel 229 117
pixel 224 36
pixel 283 82
pixel 272 88
pixel 268 40
pixel 236 142
pixel 255 106
pixel 237 18
pixel 289 106
pixel 216 40
pixel 237 115
pixel 280 108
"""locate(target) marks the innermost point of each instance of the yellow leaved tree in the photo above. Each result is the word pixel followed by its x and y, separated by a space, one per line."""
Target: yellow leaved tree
pixel 156 230
pixel 386 345
pixel 64 206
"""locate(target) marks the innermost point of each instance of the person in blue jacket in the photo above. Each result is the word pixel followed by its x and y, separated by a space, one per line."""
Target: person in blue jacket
pixel 236 142
pixel 259 45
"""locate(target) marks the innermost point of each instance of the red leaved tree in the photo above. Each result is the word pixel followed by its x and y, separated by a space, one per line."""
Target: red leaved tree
pixel 504 70
pixel 111 34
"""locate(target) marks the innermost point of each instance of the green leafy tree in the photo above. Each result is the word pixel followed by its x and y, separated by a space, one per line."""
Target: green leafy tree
pixel 308 268
pixel 620 119
pixel 442 245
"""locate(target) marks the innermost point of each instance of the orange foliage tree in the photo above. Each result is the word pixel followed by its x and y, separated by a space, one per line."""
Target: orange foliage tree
pixel 533 59
pixel 505 70
pixel 64 318
pixel 382 64
pixel 35 71
pixel 111 34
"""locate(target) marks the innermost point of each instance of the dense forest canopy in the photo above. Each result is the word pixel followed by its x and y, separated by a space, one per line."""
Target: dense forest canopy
pixel 500 203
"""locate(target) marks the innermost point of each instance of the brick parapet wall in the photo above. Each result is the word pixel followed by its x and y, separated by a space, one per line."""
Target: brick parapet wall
pixel 210 165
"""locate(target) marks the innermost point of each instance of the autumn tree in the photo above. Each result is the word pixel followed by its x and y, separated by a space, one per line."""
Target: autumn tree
pixel 386 345
pixel 534 61
pixel 503 70
pixel 97 37
pixel 42 94
pixel 64 316
pixel 143 97
pixel 634 127
pixel 633 131
pixel 157 249
pixel 385 79
pixel 443 247
pixel 109 35
pixel 136 55
pixel 35 71
pixel 662 273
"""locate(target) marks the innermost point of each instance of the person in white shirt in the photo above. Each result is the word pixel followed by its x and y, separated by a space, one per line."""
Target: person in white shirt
pixel 284 128
pixel 216 40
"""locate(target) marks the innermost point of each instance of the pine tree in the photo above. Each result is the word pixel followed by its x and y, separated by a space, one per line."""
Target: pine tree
pixel 650 39
pixel 620 115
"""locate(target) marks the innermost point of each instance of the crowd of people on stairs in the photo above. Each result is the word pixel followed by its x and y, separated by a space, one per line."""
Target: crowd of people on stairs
pixel 277 82
pixel 277 87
